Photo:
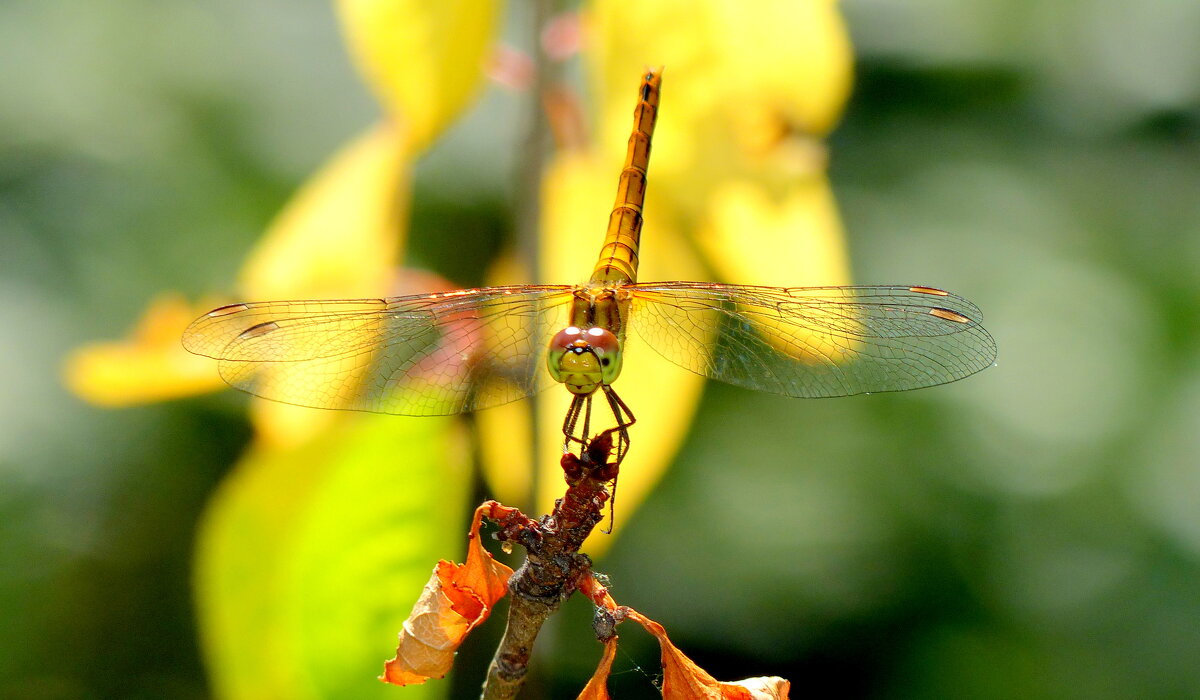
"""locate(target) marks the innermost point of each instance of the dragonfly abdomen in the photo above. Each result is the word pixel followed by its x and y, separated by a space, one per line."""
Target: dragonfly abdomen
pixel 618 260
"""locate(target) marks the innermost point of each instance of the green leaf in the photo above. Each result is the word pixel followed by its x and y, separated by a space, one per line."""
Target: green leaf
pixel 310 558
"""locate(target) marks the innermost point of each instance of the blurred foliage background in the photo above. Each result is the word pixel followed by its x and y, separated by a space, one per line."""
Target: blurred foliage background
pixel 1031 532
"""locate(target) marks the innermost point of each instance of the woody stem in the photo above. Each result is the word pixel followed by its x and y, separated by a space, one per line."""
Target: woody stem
pixel 553 565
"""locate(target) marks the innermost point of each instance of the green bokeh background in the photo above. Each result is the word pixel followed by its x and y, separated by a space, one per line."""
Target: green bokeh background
pixel 1033 532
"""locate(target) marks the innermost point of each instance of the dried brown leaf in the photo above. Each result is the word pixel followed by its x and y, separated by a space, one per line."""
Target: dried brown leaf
pixel 765 687
pixel 597 687
pixel 457 598
pixel 593 589
pixel 684 680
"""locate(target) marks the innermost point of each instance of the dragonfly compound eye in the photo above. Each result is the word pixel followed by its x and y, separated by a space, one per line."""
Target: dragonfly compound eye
pixel 584 359
pixel 607 349
pixel 563 345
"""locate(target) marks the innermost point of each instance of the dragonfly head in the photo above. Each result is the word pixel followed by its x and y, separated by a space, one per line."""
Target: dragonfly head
pixel 584 358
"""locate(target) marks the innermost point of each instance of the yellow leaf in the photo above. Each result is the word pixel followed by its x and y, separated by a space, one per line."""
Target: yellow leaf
pixel 424 60
pixel 309 559
pixel 149 366
pixel 281 425
pixel 338 237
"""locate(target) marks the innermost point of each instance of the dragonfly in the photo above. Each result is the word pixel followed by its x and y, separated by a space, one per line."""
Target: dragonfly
pixel 466 350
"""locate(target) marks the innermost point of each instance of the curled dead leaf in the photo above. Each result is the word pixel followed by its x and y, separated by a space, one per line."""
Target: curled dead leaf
pixel 457 599
pixel 429 637
pixel 597 687
pixel 684 680
pixel 765 687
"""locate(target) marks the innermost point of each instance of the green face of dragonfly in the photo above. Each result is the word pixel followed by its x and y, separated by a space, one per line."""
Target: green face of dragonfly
pixel 584 358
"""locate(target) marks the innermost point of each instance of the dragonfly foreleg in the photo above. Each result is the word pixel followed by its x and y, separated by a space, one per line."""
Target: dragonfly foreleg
pixel 580 406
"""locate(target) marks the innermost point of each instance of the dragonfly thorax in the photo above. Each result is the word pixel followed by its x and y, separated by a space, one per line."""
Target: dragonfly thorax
pixel 584 358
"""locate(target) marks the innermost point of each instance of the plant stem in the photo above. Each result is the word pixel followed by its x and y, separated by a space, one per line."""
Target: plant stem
pixel 553 566
pixel 526 615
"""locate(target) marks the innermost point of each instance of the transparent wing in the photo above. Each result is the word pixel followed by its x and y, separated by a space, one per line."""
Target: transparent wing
pixel 423 355
pixel 814 341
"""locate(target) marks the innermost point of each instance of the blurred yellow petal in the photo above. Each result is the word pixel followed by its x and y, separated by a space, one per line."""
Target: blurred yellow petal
pixel 787 241
pixel 798 53
pixel 722 56
pixel 747 86
pixel 424 60
pixel 149 366
pixel 339 237
pixel 578 195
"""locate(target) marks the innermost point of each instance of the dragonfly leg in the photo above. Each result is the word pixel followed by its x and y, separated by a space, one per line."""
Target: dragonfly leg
pixel 580 406
pixel 587 421
pixel 624 418
pixel 568 428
